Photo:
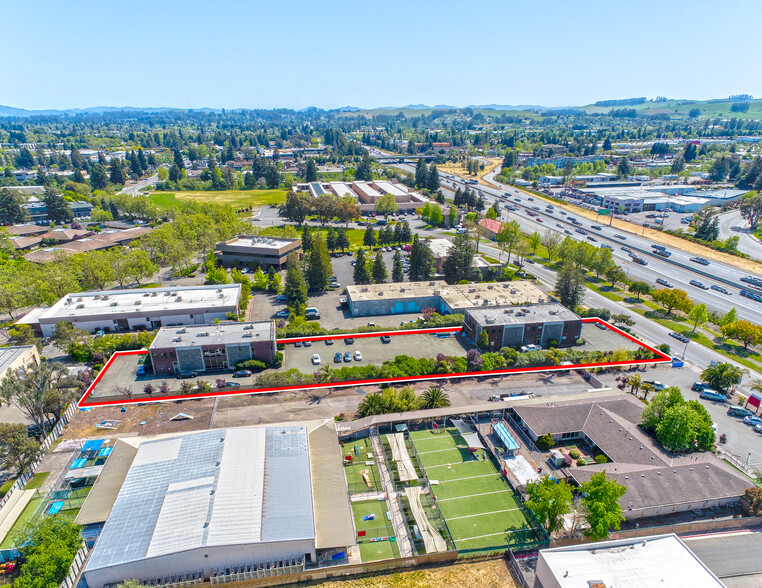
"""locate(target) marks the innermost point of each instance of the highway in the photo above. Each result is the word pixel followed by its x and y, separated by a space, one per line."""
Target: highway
pixel 732 225
pixel 678 270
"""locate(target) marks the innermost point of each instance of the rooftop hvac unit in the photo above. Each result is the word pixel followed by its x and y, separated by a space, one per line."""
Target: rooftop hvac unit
pixel 176 339
pixel 80 299
pixel 179 331
pixel 202 334
pixel 97 296
pixel 114 303
pixel 269 241
pixel 490 287
pixel 432 283
pixel 146 294
pixel 380 292
pixel 80 305
pixel 219 290
pixel 137 302
pixel 471 290
pixel 154 294
pixel 179 298
pixel 363 289
pixel 437 292
pixel 248 327
pixel 508 311
pixel 246 335
pixel 513 291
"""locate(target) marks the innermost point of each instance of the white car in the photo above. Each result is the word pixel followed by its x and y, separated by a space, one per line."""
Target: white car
pixel 315 359
pixel 358 356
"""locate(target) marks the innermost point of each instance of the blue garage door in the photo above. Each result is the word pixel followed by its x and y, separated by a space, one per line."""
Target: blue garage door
pixel 398 307
pixel 412 306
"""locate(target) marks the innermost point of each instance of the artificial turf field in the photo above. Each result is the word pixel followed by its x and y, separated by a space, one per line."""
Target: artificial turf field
pixel 355 471
pixel 478 504
pixel 379 527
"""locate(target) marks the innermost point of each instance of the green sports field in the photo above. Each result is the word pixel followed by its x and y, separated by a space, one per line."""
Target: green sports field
pixel 378 527
pixel 361 465
pixel 234 198
pixel 479 506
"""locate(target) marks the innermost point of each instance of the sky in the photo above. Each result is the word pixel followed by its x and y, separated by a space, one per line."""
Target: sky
pixel 295 54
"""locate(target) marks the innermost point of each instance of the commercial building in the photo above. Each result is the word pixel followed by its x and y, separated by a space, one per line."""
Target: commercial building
pixel 116 311
pixel 254 251
pixel 514 326
pixel 657 483
pixel 659 560
pixel 211 347
pixel 381 299
pixel 679 197
pixel 106 239
pixel 223 505
pixel 15 359
pixel 366 193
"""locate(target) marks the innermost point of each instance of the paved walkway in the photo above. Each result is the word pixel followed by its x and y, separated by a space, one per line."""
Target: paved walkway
pixel 398 520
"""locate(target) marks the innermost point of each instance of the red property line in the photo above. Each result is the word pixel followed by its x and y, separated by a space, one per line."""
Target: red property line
pixel 661 358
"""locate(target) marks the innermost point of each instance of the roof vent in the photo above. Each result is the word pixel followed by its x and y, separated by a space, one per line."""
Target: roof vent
pixel 246 335
pixel 80 305
pixel 115 303
pixel 176 339
pixel 146 294
pixel 138 302
pixel 248 327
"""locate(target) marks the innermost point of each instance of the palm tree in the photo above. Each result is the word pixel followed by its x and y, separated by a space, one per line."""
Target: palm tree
pixel 370 405
pixel 756 385
pixel 721 376
pixel 434 397
pixel 647 389
pixel 635 383
pixel 407 399
pixel 554 356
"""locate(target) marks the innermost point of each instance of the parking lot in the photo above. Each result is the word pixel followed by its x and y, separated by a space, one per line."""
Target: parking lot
pixel 372 349
pixel 597 339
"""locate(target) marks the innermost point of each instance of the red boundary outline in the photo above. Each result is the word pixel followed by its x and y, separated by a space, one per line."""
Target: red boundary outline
pixel 660 358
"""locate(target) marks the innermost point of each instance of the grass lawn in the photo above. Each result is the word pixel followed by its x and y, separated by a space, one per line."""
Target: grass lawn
pixel 26 515
pixel 235 198
pixel 37 481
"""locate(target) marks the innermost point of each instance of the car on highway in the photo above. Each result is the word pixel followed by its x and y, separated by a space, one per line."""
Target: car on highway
pixel 618 236
pixel 580 231
pixel 242 373
pixel 591 238
pixel 679 336
pixel 752 420
pixel 386 339
pixel 663 282
pixel 700 260
pixel 739 411
pixel 559 225
pixel 698 284
pixel 627 249
pixel 337 357
pixel 607 246
pixel 348 357
pixel 284 313
pixel 596 227
pixel 517 199
pixel 720 289
pixel 315 359
pixel 187 375
pixel 709 394
pixel 538 219
pixel 567 231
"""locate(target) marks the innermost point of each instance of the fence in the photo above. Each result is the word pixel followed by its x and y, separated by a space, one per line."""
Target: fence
pixel 734 460
pixel 44 447
pixel 72 578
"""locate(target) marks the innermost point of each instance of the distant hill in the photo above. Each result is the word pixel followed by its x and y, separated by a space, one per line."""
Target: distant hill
pixel 733 107
pixel 22 112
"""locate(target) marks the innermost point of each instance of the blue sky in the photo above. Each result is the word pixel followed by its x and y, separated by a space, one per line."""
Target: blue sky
pixel 283 53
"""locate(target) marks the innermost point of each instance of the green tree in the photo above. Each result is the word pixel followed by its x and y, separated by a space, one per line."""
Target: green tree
pixel 325 207
pixel 342 240
pixel 369 238
pixel 347 209
pixel 635 382
pixel 662 401
pixel 98 215
pixel 421 261
pixel 432 179
pixel 682 427
pixel 751 209
pixel 623 168
pixel 295 289
pixel 699 315
pixel 116 172
pixel 690 153
pixel 745 332
pixel 310 173
pixel 551 241
pixel 460 258
pixel 482 341
pixel 58 208
pixel 48 550
pixel 371 404
pixel 614 275
pixel 364 171
pixel 640 288
pixel 545 442
pixel 434 397
pixel 11 210
pixel 398 271
pixel 17 449
pixel 600 505
pixel 361 273
pixel 671 299
pixel 379 273
pixel 534 240
pixel 721 376
pixel 65 333
pixel 549 500
pixel 508 237
pixel 601 261
pixel 30 390
pixel 296 207
pixel 272 177
pixel 319 269
pixel 386 205
pixel 421 175
pixel 306 240
pixel 570 285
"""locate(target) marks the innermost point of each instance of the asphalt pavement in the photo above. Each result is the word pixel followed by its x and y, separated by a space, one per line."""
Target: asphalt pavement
pixel 732 225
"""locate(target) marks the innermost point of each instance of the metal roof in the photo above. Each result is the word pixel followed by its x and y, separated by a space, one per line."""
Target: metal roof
pixel 211 488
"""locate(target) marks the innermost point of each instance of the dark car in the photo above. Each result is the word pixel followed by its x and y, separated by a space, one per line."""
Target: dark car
pixel 618 236
pixel 186 375
pixel 349 340
pixel 337 357
pixel 308 343
pixel 386 339
pixel 348 356
pixel 232 385
pixel 663 282
pixel 241 373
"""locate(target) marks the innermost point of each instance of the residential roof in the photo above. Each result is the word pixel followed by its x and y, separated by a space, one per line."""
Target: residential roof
pixel 492 225
pixel 145 300
pixel 457 296
pixel 661 560
pixel 439 247
pixel 220 334
pixel 514 315
pixel 27 229
pixel 65 234
pixel 8 355
pixel 24 242
pixel 211 488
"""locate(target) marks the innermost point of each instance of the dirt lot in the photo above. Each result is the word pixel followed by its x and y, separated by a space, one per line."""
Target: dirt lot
pixel 460 171
pixel 485 574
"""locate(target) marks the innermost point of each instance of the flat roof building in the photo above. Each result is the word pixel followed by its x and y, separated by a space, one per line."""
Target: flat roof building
pixel 659 560
pixel 221 503
pixel 396 298
pixel 386 187
pixel 514 326
pixel 366 193
pixel 255 251
pixel 341 190
pixel 203 348
pixel 117 311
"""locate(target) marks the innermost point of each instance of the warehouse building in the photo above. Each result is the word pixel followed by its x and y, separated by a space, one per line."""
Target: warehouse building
pixel 211 347
pixel 254 251
pixel 514 326
pixel 381 299
pixel 119 311
pixel 223 505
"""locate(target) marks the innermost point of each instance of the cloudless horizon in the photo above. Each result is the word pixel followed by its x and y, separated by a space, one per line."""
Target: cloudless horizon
pixel 296 54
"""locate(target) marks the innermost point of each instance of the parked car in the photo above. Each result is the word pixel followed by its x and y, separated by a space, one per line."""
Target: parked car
pixel 709 394
pixel 349 340
pixel 739 411
pixel 284 313
pixel 386 339
pixel 308 343
pixel 281 298
pixel 187 375
pixel 232 385
pixel 329 341
pixel 752 420
pixel 656 384
pixel 315 359
pixel 347 357
pixel 337 357
pixel 141 370
pixel 242 373
pixel 699 386
pixel 358 356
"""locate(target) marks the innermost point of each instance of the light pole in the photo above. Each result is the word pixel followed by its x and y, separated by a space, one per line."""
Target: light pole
pixel 686 348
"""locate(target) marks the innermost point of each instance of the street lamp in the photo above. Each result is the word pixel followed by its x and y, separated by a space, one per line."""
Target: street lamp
pixel 686 348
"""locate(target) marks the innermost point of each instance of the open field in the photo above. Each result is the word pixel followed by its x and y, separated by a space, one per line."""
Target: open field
pixel 235 198
pixel 460 171
pixel 479 506
pixel 681 108
pixel 492 573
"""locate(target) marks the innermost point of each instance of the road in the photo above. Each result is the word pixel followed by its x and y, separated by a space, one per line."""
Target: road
pixel 134 189
pixel 732 225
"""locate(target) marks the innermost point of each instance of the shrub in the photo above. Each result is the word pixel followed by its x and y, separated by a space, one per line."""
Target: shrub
pixel 601 459
pixel 545 442
pixel 574 454
pixel 6 487
pixel 278 361
pixel 253 365
pixel 663 347
pixel 580 462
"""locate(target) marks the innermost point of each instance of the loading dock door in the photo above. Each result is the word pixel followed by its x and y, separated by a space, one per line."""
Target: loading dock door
pixel 398 307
